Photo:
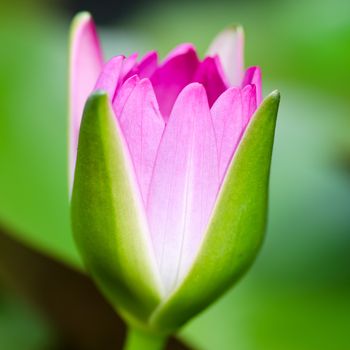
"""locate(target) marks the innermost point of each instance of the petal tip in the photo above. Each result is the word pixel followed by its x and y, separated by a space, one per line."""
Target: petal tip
pixel 194 91
pixel 182 49
pixel 82 19
pixel 144 82
pixel 253 69
pixel 82 16
pixel 229 46
pixel 234 28
pixel 195 86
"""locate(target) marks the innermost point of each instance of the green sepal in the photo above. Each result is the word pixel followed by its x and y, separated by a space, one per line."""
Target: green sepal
pixel 108 220
pixel 236 229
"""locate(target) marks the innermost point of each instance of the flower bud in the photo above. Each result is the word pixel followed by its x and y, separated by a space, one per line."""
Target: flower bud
pixel 170 172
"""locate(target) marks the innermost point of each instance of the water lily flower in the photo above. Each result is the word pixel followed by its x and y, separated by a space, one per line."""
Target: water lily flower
pixel 169 169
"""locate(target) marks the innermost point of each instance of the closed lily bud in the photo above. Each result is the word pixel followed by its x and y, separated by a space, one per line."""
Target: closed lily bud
pixel 169 170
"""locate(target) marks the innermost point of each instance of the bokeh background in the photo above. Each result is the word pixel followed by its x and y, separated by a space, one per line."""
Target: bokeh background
pixel 297 295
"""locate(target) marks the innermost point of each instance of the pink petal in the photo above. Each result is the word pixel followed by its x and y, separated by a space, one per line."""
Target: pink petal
pixel 110 76
pixel 253 76
pixel 184 185
pixel 123 94
pixel 229 125
pixel 249 102
pixel 173 75
pixel 85 66
pixel 181 49
pixel 210 75
pixel 142 126
pixel 229 46
pixel 147 66
pixel 128 65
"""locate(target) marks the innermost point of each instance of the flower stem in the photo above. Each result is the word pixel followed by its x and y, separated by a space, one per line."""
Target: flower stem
pixel 139 340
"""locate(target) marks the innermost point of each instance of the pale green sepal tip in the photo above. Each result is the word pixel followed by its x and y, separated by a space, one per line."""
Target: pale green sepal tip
pixel 237 226
pixel 107 222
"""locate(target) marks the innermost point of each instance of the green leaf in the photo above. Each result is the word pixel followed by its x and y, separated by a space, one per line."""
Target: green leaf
pixel 107 218
pixel 236 228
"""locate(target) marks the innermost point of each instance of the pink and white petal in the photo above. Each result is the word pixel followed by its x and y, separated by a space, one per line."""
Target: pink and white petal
pixel 148 65
pixel 123 94
pixel 110 76
pixel 248 102
pixel 85 66
pixel 229 46
pixel 253 76
pixel 209 73
pixel 173 75
pixel 142 126
pixel 128 66
pixel 184 185
pixel 179 50
pixel 229 125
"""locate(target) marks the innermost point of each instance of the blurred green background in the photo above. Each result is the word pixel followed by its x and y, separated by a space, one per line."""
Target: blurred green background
pixel 297 295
